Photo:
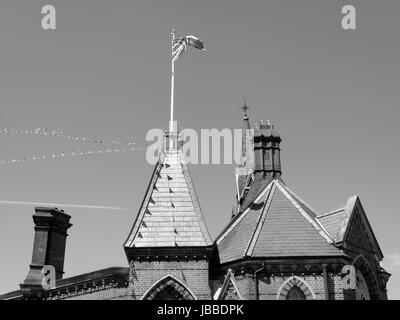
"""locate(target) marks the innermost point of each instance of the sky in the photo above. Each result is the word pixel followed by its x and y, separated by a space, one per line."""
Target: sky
pixel 104 73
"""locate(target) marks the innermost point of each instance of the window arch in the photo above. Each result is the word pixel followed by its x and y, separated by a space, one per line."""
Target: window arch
pixel 367 284
pixel 295 288
pixel 295 293
pixel 362 291
pixel 168 288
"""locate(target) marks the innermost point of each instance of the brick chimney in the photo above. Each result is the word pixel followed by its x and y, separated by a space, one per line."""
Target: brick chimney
pixel 51 225
pixel 267 150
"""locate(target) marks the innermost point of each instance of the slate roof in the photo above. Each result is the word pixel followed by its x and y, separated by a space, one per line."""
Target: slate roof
pixel 170 214
pixel 276 224
pixel 335 222
pixel 255 186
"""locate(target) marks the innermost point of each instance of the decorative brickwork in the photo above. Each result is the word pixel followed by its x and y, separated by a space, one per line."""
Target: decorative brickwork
pixel 169 288
pixel 192 274
pixel 292 283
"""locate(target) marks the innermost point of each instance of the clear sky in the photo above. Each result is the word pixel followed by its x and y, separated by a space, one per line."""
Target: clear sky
pixel 105 73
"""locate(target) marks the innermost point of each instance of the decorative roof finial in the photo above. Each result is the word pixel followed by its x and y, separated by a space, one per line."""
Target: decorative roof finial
pixel 245 107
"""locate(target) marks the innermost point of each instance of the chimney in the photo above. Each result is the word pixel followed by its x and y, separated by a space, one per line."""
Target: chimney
pixel 51 225
pixel 267 150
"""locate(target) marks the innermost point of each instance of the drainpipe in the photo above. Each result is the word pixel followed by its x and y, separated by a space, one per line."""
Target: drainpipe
pixel 325 274
pixel 256 280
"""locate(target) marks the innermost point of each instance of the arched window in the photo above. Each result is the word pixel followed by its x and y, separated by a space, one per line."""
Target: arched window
pixel 362 292
pixel 168 288
pixel 168 292
pixel 295 288
pixel 295 293
pixel 367 287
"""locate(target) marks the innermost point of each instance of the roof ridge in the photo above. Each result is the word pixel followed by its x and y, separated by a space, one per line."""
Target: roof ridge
pixel 315 223
pixel 300 199
pixel 326 214
pixel 260 222
pixel 234 222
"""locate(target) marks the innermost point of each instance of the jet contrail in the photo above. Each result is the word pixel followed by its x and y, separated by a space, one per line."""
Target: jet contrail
pixel 59 205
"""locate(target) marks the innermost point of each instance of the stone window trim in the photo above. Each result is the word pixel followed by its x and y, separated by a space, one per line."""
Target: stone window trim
pixel 362 264
pixel 165 281
pixel 298 282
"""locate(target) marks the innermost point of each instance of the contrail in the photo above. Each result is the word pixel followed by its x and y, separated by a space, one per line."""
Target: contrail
pixel 59 205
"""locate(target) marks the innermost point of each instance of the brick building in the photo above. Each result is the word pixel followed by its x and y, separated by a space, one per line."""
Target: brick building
pixel 274 247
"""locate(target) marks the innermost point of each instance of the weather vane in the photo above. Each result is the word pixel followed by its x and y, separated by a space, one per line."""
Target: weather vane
pixel 244 107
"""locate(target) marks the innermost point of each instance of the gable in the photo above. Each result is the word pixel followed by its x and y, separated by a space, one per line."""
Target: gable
pixel 359 234
pixel 230 293
pixel 229 289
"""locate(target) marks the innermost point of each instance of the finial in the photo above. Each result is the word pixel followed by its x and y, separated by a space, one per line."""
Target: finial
pixel 245 107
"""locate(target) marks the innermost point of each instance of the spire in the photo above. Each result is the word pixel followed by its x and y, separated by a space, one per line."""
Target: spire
pixel 170 215
pixel 246 166
pixel 245 117
pixel 245 132
pixel 260 160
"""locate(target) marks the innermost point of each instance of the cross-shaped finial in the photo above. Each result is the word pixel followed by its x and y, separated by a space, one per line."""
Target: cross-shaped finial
pixel 245 107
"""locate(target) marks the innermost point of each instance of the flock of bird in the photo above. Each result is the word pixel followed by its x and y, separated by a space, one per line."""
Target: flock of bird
pixel 123 145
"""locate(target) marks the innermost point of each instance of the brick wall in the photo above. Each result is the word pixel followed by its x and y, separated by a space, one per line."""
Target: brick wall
pixel 358 242
pixel 40 246
pixel 269 286
pixel 193 274
pixel 335 286
pixel 245 286
pixel 106 294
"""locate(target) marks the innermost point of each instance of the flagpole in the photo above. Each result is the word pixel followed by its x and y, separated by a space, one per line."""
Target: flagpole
pixel 171 122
